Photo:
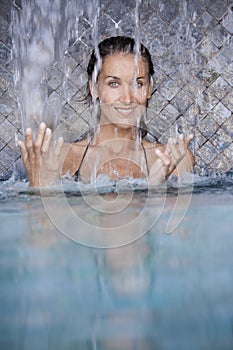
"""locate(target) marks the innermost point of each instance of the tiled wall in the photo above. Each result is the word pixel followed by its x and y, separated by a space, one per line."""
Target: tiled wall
pixel 192 48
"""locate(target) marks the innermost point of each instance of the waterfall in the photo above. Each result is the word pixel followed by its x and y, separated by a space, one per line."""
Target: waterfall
pixel 42 30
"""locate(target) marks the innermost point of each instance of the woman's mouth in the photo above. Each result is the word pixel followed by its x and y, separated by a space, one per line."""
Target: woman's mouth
pixel 125 111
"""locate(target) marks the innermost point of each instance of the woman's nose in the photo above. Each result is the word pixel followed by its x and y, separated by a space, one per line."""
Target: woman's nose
pixel 127 94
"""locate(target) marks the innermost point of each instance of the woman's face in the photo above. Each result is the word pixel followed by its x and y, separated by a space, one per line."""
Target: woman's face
pixel 123 88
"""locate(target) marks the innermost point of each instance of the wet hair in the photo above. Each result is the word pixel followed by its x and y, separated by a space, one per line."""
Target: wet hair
pixel 114 45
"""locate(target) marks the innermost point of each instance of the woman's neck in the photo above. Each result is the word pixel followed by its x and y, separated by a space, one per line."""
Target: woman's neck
pixel 113 132
pixel 116 138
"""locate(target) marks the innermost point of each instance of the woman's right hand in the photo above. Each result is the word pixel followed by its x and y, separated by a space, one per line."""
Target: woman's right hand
pixel 40 159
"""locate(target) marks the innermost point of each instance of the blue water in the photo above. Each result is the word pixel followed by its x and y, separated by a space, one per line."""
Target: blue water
pixel 163 291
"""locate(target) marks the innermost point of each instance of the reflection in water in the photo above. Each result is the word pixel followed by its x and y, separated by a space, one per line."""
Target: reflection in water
pixel 160 292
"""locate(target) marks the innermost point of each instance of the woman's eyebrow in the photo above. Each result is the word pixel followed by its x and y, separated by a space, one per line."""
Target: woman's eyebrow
pixel 112 76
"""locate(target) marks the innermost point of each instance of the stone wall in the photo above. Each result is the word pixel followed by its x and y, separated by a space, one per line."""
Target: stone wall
pixel 192 48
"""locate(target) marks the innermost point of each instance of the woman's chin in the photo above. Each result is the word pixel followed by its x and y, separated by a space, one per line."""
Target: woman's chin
pixel 124 124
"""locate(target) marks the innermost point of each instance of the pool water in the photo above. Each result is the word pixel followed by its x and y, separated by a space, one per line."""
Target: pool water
pixel 162 291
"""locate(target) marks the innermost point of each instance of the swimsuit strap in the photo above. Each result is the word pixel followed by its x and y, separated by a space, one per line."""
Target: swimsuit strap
pixel 77 173
pixel 147 166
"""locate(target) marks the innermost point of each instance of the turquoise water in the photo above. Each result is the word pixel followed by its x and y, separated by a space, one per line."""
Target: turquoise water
pixel 163 291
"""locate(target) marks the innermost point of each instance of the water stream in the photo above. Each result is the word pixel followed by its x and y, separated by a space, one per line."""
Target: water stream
pixel 42 31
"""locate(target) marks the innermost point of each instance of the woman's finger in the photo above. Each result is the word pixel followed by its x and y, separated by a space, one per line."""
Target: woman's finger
pixel 164 157
pixel 46 141
pixel 39 139
pixel 173 147
pixel 29 144
pixel 188 139
pixel 182 145
pixel 24 155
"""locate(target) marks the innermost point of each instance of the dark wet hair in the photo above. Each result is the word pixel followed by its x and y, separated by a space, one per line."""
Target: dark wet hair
pixel 113 45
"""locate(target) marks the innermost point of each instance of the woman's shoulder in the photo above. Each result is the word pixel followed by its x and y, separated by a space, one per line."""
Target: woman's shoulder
pixel 76 146
pixel 152 145
pixel 72 154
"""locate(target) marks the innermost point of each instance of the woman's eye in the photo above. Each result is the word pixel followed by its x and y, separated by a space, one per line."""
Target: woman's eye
pixel 113 84
pixel 139 84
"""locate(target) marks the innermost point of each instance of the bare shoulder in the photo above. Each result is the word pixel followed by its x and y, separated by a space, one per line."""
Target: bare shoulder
pixel 72 154
pixel 150 146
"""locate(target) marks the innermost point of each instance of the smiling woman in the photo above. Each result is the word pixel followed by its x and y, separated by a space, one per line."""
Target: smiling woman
pixel 123 89
pixel 120 83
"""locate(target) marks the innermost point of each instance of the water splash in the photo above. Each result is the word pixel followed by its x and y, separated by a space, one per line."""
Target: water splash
pixel 41 32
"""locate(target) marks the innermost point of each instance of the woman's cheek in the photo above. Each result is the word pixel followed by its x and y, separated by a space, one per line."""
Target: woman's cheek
pixel 142 96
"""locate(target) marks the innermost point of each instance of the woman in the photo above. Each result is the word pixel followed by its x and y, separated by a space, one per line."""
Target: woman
pixel 120 84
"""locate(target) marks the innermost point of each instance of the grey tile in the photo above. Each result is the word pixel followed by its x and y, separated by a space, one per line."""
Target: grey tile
pixel 4 26
pixel 227 22
pixel 199 139
pixel 207 49
pixel 221 164
pixel 228 152
pixel 194 87
pixel 187 32
pixel 228 101
pixel 2 143
pixel 55 77
pixel 182 101
pixel 67 90
pixel 219 62
pixel 221 140
pixel 8 157
pixel 6 104
pixel 219 35
pixel 157 103
pixel 206 22
pixel 227 49
pixel 207 126
pixel 207 152
pixel 228 126
pixel 75 128
pixel 117 10
pixel 15 119
pixel 79 77
pixel 155 25
pixel 193 115
pixel 220 88
pixel 145 12
pixel 207 101
pixel 5 53
pixel 77 102
pixel 207 76
pixel 127 24
pixel 217 8
pixel 169 114
pixel 105 25
pixel 193 9
pixel 168 89
pixel 157 48
pixel 228 73
pixel 169 10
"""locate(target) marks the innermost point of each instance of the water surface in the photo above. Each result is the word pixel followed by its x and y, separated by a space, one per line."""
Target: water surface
pixel 163 291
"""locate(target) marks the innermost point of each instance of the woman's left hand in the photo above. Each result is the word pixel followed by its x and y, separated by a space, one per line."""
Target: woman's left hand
pixel 175 158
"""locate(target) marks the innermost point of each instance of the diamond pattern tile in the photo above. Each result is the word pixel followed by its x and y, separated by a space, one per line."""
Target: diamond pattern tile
pixel 192 50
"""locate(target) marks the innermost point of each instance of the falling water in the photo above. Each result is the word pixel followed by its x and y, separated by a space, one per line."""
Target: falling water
pixel 41 32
